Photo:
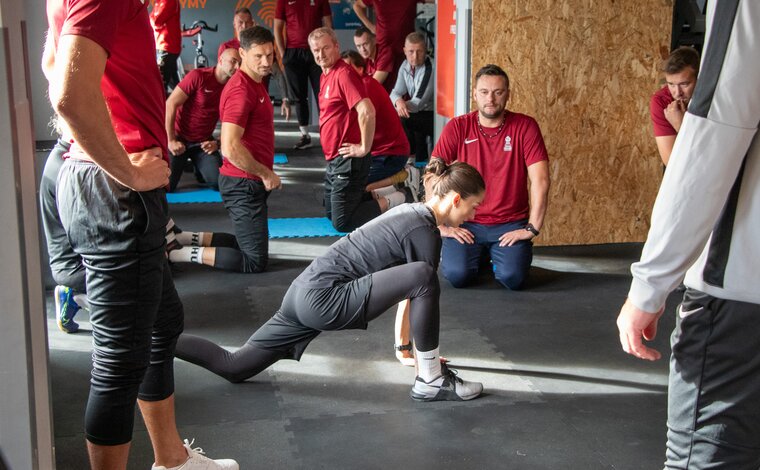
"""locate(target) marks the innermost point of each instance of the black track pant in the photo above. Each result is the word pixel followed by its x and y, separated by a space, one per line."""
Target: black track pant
pixel 167 65
pixel 246 203
pixel 300 69
pixel 418 127
pixel 65 264
pixel 347 204
pixel 416 281
pixel 206 165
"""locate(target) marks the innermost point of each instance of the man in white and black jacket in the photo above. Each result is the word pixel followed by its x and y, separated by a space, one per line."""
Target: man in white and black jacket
pixel 705 226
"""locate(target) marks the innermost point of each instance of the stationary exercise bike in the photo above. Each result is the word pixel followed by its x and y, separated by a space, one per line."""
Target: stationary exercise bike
pixel 196 29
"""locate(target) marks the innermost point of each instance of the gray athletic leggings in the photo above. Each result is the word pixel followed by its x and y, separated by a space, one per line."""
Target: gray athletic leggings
pixel 417 281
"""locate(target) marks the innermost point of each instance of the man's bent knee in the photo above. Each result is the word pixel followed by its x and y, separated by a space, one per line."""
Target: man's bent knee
pixel 458 277
pixel 513 280
pixel 254 264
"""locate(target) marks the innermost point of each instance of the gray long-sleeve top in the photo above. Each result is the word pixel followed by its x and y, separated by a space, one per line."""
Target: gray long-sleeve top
pixel 411 84
pixel 706 220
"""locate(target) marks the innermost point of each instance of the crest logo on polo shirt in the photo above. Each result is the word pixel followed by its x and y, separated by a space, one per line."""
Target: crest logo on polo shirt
pixel 327 92
pixel 507 144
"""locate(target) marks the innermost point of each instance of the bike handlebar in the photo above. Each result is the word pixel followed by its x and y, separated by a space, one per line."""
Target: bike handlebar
pixel 198 26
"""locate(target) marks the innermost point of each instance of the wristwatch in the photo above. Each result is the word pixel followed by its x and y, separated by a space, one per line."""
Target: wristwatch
pixel 529 227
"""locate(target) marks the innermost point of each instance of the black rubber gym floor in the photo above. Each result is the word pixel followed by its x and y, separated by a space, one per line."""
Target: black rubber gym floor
pixel 559 391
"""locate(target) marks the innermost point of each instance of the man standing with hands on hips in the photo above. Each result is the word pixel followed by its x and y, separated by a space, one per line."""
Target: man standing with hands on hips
pixel 100 64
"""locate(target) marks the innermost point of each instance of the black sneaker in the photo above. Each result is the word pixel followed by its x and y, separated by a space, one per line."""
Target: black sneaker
pixel 447 387
pixel 408 195
pixel 304 143
pixel 171 237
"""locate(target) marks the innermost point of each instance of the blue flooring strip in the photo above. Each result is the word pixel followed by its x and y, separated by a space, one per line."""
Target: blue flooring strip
pixel 302 227
pixel 194 196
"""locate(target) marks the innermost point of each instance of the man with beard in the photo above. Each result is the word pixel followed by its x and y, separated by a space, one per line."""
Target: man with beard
pixel 508 149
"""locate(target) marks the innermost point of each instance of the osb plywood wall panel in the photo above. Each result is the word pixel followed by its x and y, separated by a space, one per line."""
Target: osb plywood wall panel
pixel 585 69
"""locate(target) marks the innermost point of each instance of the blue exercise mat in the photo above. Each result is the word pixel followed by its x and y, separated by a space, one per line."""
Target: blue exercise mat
pixel 302 227
pixel 194 196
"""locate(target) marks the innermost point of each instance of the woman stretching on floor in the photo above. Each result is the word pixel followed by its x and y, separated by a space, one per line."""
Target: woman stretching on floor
pixel 353 283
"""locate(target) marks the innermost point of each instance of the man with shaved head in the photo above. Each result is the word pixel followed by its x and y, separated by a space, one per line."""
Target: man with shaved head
pixel 192 112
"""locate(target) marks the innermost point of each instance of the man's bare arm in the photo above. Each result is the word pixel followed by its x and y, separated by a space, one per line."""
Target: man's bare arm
pixel 76 96
pixel 380 76
pixel 538 174
pixel 279 37
pixel 327 21
pixel 361 11
pixel 665 147
pixel 234 150
pixel 175 100
pixel 366 113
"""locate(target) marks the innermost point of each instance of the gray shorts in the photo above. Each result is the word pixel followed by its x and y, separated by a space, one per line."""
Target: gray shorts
pixel 714 390
pixel 307 312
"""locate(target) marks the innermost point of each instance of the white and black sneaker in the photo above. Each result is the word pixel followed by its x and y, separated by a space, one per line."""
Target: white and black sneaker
pixel 447 387
pixel 197 461
pixel 304 143
pixel 413 181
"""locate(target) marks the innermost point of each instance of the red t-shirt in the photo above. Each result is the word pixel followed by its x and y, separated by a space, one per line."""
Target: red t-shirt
pixel 301 17
pixel 246 103
pixel 657 105
pixel 502 160
pixel 394 20
pixel 370 67
pixel 196 118
pixel 390 61
pixel 339 91
pixel 131 84
pixel 165 20
pixel 390 138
